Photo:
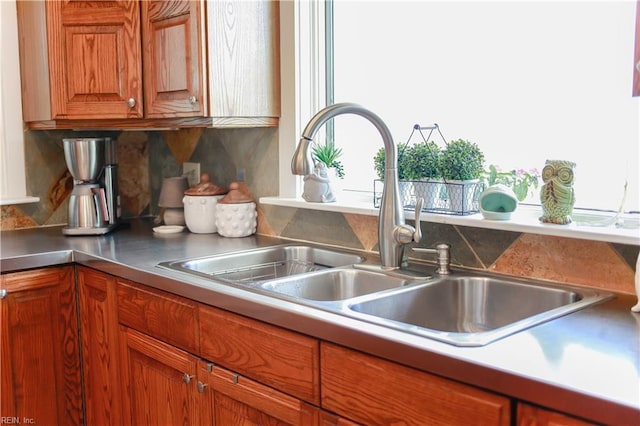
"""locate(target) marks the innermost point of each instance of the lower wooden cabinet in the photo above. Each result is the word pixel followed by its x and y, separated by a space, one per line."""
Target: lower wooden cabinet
pixel 158 382
pixel 237 400
pixel 371 390
pixel 100 354
pixel 153 358
pixel 40 356
pixel 529 415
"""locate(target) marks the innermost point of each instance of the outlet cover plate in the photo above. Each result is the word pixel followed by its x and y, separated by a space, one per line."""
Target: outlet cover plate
pixel 192 171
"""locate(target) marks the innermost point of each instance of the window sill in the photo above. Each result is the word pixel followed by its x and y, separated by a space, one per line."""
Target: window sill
pixel 524 219
pixel 18 200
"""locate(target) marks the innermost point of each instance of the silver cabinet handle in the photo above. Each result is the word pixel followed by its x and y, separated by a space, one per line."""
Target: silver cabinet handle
pixel 193 100
pixel 201 386
pixel 131 102
pixel 186 378
pixel 3 293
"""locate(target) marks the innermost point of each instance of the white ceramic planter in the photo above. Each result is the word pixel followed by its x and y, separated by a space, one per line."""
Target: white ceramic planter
pixel 200 213
pixel 236 220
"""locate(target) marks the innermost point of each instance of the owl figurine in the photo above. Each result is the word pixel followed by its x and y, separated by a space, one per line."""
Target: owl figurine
pixel 556 195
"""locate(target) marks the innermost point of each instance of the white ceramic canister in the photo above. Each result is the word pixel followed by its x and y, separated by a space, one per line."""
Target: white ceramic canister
pixel 236 220
pixel 200 213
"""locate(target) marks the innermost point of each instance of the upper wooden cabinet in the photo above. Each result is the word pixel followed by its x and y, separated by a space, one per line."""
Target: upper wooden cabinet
pixel 172 48
pixel 149 64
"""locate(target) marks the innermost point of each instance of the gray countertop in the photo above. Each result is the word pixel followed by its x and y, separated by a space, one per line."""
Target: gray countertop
pixel 586 364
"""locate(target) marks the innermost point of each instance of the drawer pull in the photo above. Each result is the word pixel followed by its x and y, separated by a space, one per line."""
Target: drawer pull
pixel 186 378
pixel 234 378
pixel 3 293
pixel 201 386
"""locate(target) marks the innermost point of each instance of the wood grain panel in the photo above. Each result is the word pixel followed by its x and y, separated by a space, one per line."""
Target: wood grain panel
pixel 237 399
pixel 100 354
pixel 528 415
pixel 40 360
pixel 278 358
pixel 243 43
pixel 95 59
pixel 370 390
pixel 169 318
pixel 173 46
pixel 156 389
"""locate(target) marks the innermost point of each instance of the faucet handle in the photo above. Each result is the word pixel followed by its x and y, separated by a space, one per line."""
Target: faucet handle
pixel 405 234
pixel 417 234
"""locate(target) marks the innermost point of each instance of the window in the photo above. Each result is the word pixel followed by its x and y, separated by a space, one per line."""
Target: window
pixel 526 80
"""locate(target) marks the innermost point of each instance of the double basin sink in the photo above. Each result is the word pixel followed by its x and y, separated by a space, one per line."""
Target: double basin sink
pixel 461 309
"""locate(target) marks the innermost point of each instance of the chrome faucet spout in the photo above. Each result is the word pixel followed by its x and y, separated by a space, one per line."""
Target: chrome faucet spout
pixel 393 233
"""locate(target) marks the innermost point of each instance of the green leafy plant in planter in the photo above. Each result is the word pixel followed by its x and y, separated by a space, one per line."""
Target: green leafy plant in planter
pixel 329 154
pixel 423 164
pixel 423 161
pixel 462 162
pixel 404 171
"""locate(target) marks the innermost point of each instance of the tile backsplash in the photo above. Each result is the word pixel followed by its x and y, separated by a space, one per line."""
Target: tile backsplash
pixel 146 157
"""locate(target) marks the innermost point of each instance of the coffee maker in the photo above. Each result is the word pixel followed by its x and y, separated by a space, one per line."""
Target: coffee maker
pixel 94 207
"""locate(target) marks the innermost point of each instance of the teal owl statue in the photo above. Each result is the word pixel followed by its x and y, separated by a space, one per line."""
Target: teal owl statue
pixel 556 195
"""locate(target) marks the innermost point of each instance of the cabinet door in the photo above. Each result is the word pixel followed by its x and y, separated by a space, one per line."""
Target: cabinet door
pixel 95 62
pixel 101 368
pixel 173 57
pixel 159 381
pixel 243 43
pixel 371 390
pixel 237 400
pixel 40 356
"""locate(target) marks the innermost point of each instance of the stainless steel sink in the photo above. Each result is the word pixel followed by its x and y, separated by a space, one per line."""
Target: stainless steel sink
pixel 333 284
pixel 462 309
pixel 264 264
pixel 472 311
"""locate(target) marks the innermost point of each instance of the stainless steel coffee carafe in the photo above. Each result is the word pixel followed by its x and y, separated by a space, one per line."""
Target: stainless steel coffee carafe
pixel 93 204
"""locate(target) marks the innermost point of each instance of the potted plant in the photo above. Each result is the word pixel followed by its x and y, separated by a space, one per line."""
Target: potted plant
pixel 522 182
pixel 329 154
pixel 423 163
pixel 404 172
pixel 461 165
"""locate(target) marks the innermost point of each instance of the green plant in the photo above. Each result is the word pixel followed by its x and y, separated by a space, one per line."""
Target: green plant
pixel 423 161
pixel 461 160
pixel 520 181
pixel 403 163
pixel 328 154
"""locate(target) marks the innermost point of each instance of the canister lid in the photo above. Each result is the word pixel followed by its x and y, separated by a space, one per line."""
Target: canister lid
pixel 205 187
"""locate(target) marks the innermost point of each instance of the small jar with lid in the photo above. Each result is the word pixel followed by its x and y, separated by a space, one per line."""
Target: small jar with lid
pixel 236 214
pixel 200 205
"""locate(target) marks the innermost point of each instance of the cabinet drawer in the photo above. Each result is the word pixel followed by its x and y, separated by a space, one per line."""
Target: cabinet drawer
pixel 275 357
pixel 370 390
pixel 168 318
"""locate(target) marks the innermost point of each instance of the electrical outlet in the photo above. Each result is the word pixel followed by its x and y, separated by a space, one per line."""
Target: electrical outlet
pixel 192 172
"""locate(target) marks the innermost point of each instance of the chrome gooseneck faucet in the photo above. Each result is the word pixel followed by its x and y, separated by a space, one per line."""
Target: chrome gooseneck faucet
pixel 393 233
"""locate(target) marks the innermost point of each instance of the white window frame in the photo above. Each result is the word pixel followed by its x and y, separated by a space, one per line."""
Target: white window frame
pixel 302 91
pixel 13 186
